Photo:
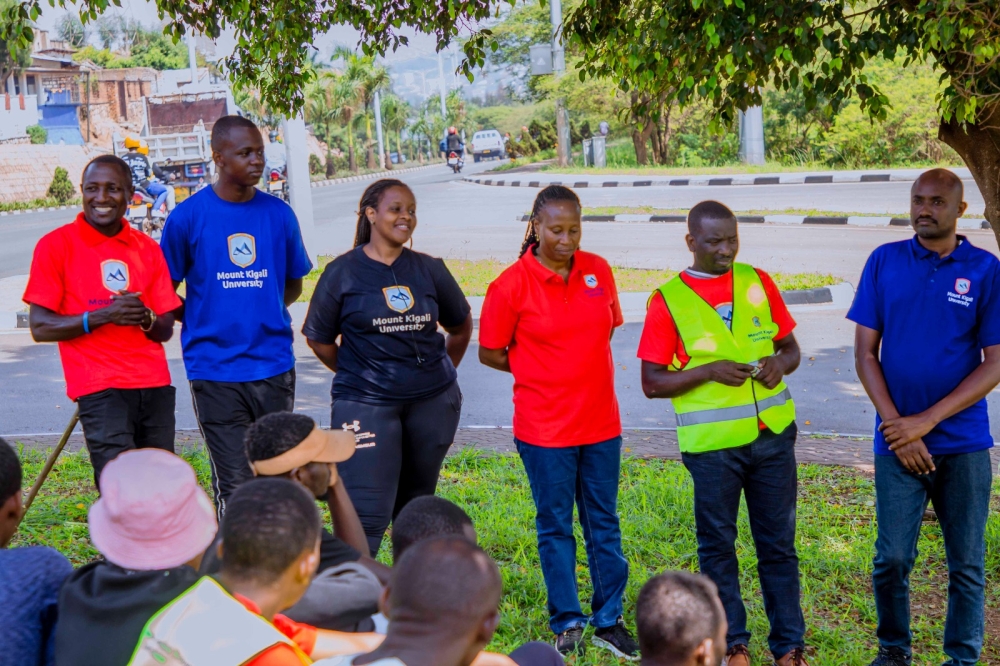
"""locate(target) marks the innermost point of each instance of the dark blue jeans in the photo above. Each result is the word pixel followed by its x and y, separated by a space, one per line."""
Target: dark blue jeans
pixel 589 475
pixel 960 491
pixel 764 471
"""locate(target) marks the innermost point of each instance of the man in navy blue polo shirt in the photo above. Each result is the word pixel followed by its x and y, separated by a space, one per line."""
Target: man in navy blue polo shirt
pixel 933 304
pixel 240 253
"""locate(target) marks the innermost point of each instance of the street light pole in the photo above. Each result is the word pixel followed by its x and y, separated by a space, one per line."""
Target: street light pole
pixel 443 87
pixel 378 129
pixel 558 67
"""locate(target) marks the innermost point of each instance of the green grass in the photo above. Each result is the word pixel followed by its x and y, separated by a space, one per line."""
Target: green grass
pixel 475 276
pixel 48 202
pixel 836 535
pixel 810 212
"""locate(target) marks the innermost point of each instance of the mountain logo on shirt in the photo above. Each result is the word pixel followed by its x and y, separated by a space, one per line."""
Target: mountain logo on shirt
pixel 398 298
pixel 242 250
pixel 756 321
pixel 114 275
pixel 963 285
pixel 590 280
pixel 725 311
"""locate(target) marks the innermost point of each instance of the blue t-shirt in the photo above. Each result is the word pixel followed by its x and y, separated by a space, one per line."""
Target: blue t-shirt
pixel 30 579
pixel 936 316
pixel 235 258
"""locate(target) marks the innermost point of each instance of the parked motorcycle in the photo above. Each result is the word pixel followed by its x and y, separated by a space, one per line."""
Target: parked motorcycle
pixel 455 162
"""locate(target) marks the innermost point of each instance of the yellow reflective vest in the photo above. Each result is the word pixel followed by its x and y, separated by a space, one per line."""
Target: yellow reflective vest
pixel 714 416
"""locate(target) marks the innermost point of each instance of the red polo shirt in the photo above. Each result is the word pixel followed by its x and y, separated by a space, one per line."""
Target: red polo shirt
pixel 558 337
pixel 76 269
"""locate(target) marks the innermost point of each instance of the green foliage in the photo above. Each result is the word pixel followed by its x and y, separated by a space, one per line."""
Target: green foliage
pixel 315 164
pixel 37 133
pixel 148 48
pixel 61 189
pixel 71 30
pixel 13 54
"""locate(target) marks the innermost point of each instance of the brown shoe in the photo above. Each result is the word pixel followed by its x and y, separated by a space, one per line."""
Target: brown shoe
pixel 796 657
pixel 738 655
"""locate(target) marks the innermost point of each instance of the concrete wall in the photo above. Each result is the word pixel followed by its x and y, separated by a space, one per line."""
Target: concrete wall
pixel 14 118
pixel 26 170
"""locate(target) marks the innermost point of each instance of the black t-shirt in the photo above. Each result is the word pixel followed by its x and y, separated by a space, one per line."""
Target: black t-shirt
pixel 387 317
pixel 139 166
pixel 332 551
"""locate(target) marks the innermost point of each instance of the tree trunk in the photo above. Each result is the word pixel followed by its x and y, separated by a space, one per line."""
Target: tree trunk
pixel 329 163
pixel 388 160
pixel 372 164
pixel 640 135
pixel 979 147
pixel 352 162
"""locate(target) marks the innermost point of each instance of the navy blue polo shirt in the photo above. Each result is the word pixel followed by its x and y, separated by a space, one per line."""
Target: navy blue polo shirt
pixel 935 315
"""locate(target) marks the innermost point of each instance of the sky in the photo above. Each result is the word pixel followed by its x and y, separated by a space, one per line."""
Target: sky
pixel 420 45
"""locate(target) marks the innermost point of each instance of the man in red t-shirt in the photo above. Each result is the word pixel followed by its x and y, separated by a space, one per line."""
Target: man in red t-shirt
pixel 103 292
pixel 735 420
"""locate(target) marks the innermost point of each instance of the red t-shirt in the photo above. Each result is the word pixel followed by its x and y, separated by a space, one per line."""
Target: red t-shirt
pixel 76 269
pixel 303 635
pixel 661 343
pixel 558 337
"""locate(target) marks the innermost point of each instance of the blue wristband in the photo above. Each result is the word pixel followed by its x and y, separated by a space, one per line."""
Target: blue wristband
pixel 86 322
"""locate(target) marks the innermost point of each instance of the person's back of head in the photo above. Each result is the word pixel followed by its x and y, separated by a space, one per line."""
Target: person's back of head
pixel 270 536
pixel 10 492
pixel 447 588
pixel 680 620
pixel 428 517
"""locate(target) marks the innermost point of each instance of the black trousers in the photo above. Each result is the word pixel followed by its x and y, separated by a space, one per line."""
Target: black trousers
pixel 224 411
pixel 117 420
pixel 399 453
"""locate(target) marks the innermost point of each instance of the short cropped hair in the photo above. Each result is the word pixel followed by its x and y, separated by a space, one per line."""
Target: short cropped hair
pixel 222 127
pixel 707 210
pixel 269 523
pixel 10 471
pixel 425 518
pixel 276 433
pixel 116 162
pixel 674 613
pixel 446 579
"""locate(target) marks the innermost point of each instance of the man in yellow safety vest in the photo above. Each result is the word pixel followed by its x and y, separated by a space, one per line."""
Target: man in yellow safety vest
pixel 717 341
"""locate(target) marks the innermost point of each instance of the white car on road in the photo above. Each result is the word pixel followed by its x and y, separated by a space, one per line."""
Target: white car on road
pixel 487 143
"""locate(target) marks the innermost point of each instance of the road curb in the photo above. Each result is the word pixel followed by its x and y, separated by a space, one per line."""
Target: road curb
pixel 371 176
pixel 852 220
pixel 4 213
pixel 712 181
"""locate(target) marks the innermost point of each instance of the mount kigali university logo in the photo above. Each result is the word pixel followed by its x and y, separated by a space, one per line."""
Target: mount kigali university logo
pixel 242 250
pixel 114 275
pixel 398 298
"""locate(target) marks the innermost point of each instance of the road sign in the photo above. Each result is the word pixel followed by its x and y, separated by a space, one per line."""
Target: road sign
pixel 541 59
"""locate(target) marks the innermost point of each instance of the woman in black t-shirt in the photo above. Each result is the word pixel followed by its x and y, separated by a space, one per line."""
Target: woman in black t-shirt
pixel 395 384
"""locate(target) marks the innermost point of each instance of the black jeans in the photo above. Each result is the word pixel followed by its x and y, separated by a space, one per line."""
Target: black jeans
pixel 400 449
pixel 765 472
pixel 224 411
pixel 116 420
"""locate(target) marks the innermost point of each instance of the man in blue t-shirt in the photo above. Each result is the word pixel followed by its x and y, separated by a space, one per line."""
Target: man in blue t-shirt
pixel 30 579
pixel 240 253
pixel 932 304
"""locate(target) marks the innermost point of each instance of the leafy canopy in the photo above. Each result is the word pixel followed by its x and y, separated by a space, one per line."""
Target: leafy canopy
pixel 273 38
pixel 727 51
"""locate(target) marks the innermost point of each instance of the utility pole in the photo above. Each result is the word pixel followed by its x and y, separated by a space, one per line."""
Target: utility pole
pixel 558 67
pixel 299 186
pixel 192 60
pixel 444 89
pixel 378 129
pixel 752 135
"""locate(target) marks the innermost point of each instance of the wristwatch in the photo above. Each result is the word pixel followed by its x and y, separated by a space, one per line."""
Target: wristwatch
pixel 152 321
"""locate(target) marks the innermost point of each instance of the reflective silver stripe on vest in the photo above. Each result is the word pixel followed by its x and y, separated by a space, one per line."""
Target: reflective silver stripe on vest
pixel 732 413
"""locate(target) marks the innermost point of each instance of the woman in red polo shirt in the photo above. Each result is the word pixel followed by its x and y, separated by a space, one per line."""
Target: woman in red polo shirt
pixel 548 320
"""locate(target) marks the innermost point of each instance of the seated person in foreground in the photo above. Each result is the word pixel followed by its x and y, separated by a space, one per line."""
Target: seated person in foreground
pixel 680 621
pixel 430 517
pixel 442 606
pixel 29 579
pixel 269 551
pixel 344 595
pixel 152 523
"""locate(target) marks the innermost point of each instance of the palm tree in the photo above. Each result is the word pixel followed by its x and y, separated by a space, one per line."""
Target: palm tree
pixel 368 77
pixel 323 110
pixel 395 117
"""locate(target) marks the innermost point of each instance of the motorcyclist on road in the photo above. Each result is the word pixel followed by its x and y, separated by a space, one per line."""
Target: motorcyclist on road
pixel 454 142
pixel 274 155
pixel 142 172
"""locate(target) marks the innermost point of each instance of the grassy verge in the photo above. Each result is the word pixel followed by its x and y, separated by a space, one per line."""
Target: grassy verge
pixel 836 535
pixel 811 212
pixel 475 276
pixel 769 167
pixel 48 202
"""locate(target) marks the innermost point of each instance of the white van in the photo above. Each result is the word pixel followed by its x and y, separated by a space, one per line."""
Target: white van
pixel 487 143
